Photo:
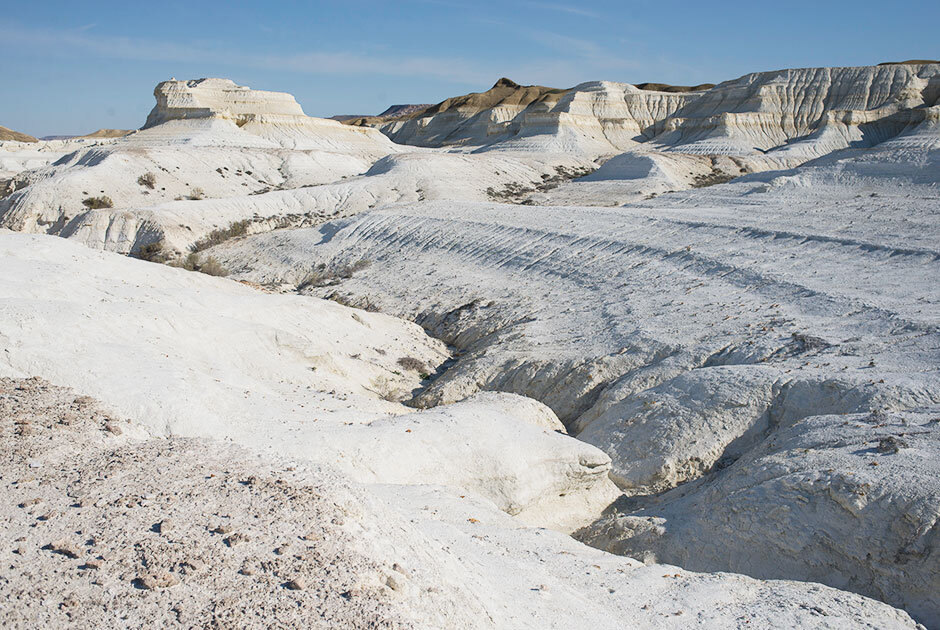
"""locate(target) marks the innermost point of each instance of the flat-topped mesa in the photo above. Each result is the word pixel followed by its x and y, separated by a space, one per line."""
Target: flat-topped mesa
pixel 218 98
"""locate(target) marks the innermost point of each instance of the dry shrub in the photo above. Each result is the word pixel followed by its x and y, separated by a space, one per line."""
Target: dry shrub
pixel 97 203
pixel 148 180
pixel 239 228
pixel 413 364
pixel 323 277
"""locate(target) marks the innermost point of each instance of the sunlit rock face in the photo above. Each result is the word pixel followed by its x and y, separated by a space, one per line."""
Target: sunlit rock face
pixel 223 98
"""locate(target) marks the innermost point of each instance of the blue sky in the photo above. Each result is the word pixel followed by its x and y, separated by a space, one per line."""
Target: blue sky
pixel 72 67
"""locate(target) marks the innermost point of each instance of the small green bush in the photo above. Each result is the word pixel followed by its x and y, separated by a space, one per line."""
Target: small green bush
pixel 209 266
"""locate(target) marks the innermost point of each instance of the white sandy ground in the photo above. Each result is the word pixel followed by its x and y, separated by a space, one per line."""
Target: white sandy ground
pixel 104 525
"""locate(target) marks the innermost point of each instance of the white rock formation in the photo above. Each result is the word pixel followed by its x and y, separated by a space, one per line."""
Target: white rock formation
pixel 307 378
pixel 849 500
pixel 742 345
pixel 755 113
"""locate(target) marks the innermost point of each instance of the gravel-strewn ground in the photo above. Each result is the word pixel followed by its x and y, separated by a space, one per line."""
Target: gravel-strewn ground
pixel 101 529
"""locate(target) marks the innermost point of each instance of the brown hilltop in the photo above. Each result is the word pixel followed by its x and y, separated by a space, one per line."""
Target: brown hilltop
pixel 665 87
pixel 9 134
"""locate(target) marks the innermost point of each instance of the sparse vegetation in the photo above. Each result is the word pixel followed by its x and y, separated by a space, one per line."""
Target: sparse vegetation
pixel 97 203
pixel 148 180
pixel 514 192
pixel 210 266
pixel 321 276
pixel 385 390
pixel 152 252
pixel 413 364
pixel 7 187
pixel 711 179
pixel 363 303
pixel 239 228
pixel 196 194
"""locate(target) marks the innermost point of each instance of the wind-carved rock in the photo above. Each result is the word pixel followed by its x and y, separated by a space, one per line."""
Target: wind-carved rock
pixel 218 98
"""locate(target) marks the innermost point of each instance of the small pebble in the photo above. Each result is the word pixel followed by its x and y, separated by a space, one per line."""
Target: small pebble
pixel 153 581
pixel 64 547
pixel 297 584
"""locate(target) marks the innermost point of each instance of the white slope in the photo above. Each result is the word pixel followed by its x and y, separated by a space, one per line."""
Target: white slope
pixel 177 225
pixel 16 157
pixel 195 356
pixel 96 529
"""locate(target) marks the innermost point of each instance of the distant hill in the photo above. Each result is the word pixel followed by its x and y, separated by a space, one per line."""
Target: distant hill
pixel 909 62
pixel 101 133
pixel 403 110
pixel 392 113
pixel 9 134
pixel 109 133
pixel 664 87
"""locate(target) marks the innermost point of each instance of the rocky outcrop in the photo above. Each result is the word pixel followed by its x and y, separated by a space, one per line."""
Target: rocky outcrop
pixel 207 138
pixel 217 98
pixel 852 501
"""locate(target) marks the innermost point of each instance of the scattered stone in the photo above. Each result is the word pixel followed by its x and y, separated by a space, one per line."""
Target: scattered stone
pixel 296 584
pixel 64 547
pixel 236 539
pixel 166 525
pixel 891 445
pixel 153 581
pixel 192 565
pixel 395 583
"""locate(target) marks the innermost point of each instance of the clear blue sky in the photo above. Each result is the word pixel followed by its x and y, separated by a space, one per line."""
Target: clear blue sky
pixel 72 67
